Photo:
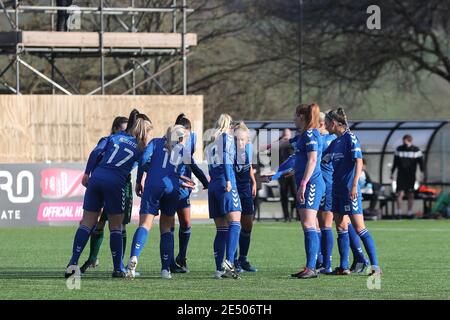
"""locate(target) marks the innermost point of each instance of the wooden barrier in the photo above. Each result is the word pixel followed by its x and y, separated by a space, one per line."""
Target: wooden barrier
pixel 60 128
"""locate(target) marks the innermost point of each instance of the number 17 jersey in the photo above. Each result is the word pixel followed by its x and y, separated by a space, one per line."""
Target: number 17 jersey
pixel 121 152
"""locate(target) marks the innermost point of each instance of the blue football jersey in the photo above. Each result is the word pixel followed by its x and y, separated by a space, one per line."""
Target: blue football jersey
pixel 242 165
pixel 327 168
pixel 307 141
pixel 342 153
pixel 161 165
pixel 120 154
pixel 220 156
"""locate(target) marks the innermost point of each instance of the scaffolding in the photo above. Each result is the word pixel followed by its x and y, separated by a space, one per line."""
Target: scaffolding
pixel 130 44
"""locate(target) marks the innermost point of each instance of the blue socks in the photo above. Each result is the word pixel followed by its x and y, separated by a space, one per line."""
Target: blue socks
pixel 79 242
pixel 115 243
pixel 244 244
pixel 233 238
pixel 311 247
pixel 355 244
pixel 166 249
pixel 184 234
pixel 319 248
pixel 220 243
pixel 369 244
pixel 344 248
pixel 139 240
pixel 327 247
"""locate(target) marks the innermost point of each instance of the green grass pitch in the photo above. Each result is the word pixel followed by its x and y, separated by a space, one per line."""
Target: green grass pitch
pixel 414 255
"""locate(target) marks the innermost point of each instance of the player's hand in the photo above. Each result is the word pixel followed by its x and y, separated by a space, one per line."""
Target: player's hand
pixel 254 190
pixel 188 185
pixel 354 193
pixel 139 189
pixel 288 174
pixel 301 194
pixel 84 180
pixel 228 187
pixel 265 179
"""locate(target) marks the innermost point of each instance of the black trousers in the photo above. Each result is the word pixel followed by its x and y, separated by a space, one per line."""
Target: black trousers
pixel 287 186
pixel 61 23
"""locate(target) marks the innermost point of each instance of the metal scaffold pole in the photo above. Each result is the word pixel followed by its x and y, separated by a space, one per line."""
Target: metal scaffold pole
pixel 102 54
pixel 16 4
pixel 183 49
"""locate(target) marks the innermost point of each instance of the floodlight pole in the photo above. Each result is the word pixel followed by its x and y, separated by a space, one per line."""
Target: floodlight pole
pixel 300 52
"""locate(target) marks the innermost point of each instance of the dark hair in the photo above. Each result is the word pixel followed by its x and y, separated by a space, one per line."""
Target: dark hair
pixel 134 115
pixel 300 107
pixel 407 137
pixel 117 123
pixel 185 122
pixel 338 115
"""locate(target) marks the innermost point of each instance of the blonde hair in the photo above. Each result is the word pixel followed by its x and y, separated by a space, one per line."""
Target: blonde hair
pixel 141 130
pixel 241 126
pixel 223 124
pixel 322 117
pixel 174 134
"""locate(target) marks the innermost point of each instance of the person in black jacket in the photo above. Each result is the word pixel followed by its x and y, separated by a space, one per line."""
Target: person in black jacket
pixel 407 158
pixel 63 16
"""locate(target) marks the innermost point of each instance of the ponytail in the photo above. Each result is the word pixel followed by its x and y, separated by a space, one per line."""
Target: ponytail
pixel 185 122
pixel 132 120
pixel 223 125
pixel 311 115
pixel 338 115
pixel 173 135
pixel 141 130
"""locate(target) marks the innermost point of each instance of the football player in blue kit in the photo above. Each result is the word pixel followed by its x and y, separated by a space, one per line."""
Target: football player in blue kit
pixel 223 198
pixel 106 189
pixel 310 184
pixel 325 216
pixel 178 264
pixel 346 157
pixel 96 239
pixel 162 162
pixel 246 186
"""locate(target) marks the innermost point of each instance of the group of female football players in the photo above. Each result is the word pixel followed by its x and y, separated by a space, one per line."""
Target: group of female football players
pixel 327 164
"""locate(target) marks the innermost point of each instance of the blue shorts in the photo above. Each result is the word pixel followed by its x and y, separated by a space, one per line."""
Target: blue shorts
pixel 105 194
pixel 221 202
pixel 313 194
pixel 184 199
pixel 245 195
pixel 157 198
pixel 342 204
pixel 326 203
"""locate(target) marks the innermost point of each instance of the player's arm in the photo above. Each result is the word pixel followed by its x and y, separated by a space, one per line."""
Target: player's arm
pixel 312 146
pixel 356 154
pixel 228 165
pixel 358 171
pixel 94 159
pixel 253 180
pixel 199 173
pixel 144 161
pixel 310 166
